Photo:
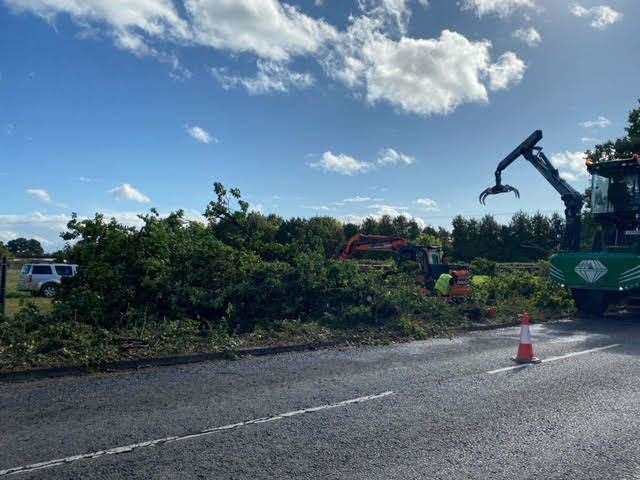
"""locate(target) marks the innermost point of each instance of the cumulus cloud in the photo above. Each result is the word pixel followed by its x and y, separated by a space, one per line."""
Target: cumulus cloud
pixel 600 122
pixel 39 194
pixel 427 204
pixel 601 16
pixel 529 35
pixel 127 192
pixel 200 134
pixel 372 55
pixel 267 28
pixel 347 165
pixel 389 156
pixel 270 77
pixel 422 76
pixel 502 8
pixel 571 165
pixel 129 23
pixel 507 71
pixel 341 164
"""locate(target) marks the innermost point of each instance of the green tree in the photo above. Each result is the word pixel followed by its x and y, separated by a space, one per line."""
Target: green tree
pixel 4 251
pixel 623 147
pixel 21 247
pixel 350 229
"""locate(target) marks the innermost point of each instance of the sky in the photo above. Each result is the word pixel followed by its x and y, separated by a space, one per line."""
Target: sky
pixel 311 107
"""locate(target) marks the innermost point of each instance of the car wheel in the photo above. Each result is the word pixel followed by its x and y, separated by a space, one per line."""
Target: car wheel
pixel 49 290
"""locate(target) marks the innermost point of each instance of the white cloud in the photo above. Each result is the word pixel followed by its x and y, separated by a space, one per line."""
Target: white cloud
pixel 359 199
pixel 200 134
pixel 508 71
pixel 321 208
pixel 347 165
pixel 270 77
pixel 39 194
pixel 395 13
pixel 129 22
pixel 502 8
pixel 7 235
pixel 422 76
pixel 380 210
pixel 600 122
pixel 590 140
pixel 127 192
pixel 530 36
pixel 571 165
pixel 47 227
pixel 601 16
pixel 389 156
pixel 43 227
pixel 267 28
pixel 427 204
pixel 341 164
pixel 373 55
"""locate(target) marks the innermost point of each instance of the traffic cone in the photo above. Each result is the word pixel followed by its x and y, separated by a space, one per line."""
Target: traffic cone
pixel 525 348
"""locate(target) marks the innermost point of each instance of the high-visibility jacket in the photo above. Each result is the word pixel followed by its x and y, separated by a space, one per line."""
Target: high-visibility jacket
pixel 443 285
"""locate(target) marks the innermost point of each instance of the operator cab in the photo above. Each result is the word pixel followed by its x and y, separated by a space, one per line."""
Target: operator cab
pixel 615 203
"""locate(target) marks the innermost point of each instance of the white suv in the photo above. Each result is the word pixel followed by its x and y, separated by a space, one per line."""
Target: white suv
pixel 44 278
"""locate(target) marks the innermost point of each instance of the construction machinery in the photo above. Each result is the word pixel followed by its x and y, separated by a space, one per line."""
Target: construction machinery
pixel 610 271
pixel 431 261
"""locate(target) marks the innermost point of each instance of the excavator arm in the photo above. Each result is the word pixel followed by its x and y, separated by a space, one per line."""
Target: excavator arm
pixel 573 200
pixel 377 243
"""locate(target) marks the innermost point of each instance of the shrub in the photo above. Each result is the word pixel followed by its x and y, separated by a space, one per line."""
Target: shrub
pixel 482 266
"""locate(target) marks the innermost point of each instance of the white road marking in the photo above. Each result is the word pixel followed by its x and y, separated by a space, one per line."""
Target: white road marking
pixel 553 359
pixel 202 433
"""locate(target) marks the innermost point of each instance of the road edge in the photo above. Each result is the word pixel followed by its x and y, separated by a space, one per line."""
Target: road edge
pixel 191 358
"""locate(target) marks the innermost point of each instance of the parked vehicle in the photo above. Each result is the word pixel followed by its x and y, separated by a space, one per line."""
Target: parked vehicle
pixel 44 278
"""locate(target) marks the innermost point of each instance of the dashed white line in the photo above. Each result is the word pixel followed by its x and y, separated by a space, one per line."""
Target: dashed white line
pixel 553 359
pixel 201 433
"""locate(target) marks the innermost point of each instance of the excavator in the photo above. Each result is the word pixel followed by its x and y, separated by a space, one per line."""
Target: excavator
pixel 431 261
pixel 610 271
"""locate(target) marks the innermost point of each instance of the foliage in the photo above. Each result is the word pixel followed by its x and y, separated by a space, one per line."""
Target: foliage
pixel 174 285
pixel 524 291
pixel 4 251
pixel 623 147
pixel 29 336
pixel 526 238
pixel 21 247
pixel 482 266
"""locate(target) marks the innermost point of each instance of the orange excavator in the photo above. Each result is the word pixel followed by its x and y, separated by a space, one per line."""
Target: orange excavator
pixel 431 261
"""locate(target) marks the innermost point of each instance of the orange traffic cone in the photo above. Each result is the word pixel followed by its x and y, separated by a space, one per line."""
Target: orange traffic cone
pixel 525 348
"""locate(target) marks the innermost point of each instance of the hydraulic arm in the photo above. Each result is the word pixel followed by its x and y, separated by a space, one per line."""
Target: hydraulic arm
pixel 573 200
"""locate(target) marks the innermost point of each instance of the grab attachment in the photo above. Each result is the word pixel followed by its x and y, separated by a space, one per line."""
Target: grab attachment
pixel 497 189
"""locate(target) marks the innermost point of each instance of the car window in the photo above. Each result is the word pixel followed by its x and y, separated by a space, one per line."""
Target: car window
pixel 64 270
pixel 25 269
pixel 41 270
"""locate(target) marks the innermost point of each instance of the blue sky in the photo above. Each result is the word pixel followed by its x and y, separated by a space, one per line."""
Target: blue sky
pixel 310 107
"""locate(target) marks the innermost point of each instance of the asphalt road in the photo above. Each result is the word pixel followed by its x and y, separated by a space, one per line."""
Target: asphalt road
pixel 426 410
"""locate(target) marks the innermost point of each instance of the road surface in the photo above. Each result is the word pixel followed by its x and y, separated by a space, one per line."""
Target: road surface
pixel 438 409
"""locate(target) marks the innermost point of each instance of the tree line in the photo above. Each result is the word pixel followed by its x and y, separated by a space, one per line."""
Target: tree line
pixel 22 248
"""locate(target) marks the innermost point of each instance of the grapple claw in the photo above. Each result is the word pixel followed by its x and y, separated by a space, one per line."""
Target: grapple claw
pixel 495 190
